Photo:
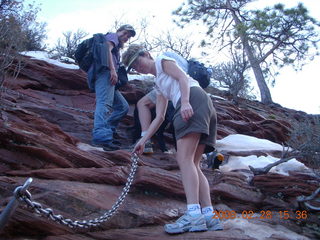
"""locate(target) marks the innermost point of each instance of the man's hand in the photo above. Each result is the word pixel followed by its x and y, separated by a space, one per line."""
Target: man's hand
pixel 113 77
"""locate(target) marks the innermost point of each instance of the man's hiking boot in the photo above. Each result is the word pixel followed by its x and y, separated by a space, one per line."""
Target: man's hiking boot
pixel 148 148
pixel 187 223
pixel 111 147
pixel 107 146
pixel 116 142
pixel 213 224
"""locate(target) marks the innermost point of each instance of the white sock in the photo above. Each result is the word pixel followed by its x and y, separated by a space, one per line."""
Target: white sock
pixel 207 211
pixel 194 209
pixel 143 133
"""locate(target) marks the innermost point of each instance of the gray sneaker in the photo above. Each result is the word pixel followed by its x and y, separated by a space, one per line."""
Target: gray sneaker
pixel 148 147
pixel 187 223
pixel 213 224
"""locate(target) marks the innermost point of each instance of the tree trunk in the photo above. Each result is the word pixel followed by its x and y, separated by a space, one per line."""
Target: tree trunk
pixel 263 87
pixel 255 65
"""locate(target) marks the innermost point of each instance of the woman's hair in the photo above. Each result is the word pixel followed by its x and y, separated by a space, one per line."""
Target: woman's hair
pixel 132 53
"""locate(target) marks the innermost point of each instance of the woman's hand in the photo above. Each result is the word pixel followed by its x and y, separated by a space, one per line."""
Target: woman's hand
pixel 139 147
pixel 113 77
pixel 186 111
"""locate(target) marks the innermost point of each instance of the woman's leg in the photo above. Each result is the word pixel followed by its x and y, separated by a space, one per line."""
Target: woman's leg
pixel 193 221
pixel 204 189
pixel 186 150
pixel 204 194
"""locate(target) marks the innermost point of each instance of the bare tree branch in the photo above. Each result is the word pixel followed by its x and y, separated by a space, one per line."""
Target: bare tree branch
pixel 284 158
pixel 313 196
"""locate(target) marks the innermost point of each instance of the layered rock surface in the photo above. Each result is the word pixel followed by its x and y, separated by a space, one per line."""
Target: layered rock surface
pixel 46 121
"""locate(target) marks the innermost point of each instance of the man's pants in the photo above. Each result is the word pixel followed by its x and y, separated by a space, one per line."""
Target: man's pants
pixel 107 97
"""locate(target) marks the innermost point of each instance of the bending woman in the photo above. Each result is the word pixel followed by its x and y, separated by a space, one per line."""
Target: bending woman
pixel 195 124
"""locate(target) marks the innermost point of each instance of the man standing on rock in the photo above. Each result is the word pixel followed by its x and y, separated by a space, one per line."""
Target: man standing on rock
pixel 102 80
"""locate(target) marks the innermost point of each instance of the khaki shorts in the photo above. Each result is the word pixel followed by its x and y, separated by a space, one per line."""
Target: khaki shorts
pixel 152 95
pixel 203 121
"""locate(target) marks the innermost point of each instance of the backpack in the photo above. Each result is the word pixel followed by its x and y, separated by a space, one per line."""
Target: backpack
pixel 84 54
pixel 199 72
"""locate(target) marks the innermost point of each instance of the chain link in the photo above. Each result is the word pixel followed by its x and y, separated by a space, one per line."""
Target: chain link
pixel 75 109
pixel 48 212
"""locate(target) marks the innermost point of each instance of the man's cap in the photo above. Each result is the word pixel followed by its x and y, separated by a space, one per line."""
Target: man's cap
pixel 129 28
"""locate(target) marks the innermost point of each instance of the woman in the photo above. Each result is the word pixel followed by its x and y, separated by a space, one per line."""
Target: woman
pixel 195 128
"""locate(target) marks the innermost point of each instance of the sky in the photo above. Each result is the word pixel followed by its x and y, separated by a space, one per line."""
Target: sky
pixel 295 90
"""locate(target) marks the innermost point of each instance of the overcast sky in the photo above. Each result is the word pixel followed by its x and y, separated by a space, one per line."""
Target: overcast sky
pixel 296 90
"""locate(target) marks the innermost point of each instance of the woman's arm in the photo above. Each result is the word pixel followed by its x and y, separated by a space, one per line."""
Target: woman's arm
pixel 113 73
pixel 161 106
pixel 171 68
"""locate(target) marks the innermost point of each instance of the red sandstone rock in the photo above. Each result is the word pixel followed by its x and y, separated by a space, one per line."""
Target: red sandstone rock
pixel 47 111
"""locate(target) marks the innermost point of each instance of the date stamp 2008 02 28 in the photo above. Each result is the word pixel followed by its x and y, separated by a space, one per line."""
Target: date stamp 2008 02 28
pixel 263 214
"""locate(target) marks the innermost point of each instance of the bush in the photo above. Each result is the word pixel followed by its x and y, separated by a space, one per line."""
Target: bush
pixel 306 139
pixel 231 75
pixel 19 31
pixel 66 47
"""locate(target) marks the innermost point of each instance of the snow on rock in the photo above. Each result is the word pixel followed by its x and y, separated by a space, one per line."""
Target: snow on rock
pixel 87 147
pixel 235 162
pixel 240 142
pixel 41 55
pixel 144 77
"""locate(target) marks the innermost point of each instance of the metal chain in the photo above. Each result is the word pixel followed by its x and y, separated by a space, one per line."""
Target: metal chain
pixel 75 109
pixel 48 212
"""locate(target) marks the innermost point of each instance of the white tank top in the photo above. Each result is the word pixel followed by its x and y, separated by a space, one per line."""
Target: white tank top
pixel 167 85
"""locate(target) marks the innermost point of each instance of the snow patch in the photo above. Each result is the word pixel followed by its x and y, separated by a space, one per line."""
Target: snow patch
pixel 41 55
pixel 235 162
pixel 87 147
pixel 239 142
pixel 144 77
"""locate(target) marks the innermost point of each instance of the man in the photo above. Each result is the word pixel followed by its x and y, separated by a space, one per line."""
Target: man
pixel 102 80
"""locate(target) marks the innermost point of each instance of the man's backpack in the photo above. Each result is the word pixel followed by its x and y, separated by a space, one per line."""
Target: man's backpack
pixel 199 72
pixel 84 54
